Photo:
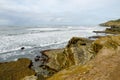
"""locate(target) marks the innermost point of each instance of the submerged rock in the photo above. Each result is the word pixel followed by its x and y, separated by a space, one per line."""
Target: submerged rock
pixel 22 48
pixel 16 70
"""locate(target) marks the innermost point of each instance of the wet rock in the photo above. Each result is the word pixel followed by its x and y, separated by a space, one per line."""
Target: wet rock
pixel 37 58
pixel 22 48
pixel 43 59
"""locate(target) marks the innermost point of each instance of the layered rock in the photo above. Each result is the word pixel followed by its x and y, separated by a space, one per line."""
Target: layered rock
pixel 16 70
pixel 76 52
pixel 104 65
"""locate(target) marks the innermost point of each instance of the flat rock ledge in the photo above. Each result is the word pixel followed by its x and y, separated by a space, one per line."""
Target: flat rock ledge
pixel 16 70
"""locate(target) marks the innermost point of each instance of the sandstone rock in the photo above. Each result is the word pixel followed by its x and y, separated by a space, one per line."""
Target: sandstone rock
pixel 76 52
pixel 16 70
pixel 55 61
pixel 30 78
pixel 104 65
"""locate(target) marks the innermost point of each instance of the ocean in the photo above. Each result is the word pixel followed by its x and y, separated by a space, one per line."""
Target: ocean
pixel 36 39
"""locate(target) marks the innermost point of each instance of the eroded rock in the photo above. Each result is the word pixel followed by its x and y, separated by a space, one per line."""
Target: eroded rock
pixel 104 65
pixel 76 52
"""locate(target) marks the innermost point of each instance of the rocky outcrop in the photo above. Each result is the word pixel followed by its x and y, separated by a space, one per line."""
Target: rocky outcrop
pixel 16 70
pixel 76 52
pixel 103 66
pixel 114 26
pixel 112 23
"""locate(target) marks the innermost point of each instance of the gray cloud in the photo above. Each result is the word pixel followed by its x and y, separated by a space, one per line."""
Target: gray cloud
pixel 71 12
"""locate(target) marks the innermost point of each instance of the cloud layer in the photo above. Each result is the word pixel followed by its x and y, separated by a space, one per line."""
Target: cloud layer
pixel 57 12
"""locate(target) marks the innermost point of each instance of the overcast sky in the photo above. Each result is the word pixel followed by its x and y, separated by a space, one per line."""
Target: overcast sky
pixel 58 12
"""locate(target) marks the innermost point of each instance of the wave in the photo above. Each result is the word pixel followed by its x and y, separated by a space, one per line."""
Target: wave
pixel 27 52
pixel 39 38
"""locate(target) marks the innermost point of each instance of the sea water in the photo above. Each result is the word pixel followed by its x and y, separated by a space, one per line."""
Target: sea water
pixel 36 39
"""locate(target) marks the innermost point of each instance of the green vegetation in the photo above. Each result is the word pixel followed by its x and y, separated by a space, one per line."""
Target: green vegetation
pixel 112 23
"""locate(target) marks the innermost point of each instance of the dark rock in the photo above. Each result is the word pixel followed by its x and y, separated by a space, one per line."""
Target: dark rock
pixel 41 58
pixel 22 48
pixel 40 77
pixel 37 58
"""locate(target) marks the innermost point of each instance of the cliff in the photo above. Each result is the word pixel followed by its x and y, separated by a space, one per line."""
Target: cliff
pixel 113 28
pixel 103 66
pixel 77 51
pixel 112 23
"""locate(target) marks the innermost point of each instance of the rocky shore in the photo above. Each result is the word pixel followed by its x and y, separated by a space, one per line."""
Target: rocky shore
pixel 81 59
pixel 112 28
pixel 102 64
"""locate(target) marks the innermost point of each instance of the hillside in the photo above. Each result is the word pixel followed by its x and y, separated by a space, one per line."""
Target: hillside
pixel 112 23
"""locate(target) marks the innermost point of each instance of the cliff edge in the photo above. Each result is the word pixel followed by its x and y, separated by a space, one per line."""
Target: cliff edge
pixel 103 66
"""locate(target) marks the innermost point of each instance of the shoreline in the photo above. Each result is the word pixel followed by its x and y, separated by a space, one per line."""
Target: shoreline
pixel 79 51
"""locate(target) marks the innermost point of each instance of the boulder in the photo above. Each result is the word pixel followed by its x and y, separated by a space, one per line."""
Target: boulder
pixel 22 48
pixel 16 70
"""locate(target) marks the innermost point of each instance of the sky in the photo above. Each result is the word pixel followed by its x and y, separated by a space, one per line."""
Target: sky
pixel 58 12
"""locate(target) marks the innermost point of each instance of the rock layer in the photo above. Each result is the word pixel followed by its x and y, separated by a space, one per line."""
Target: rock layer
pixel 76 52
pixel 104 65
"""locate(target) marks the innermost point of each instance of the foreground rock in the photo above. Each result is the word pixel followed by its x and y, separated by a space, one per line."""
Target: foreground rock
pixel 76 52
pixel 104 65
pixel 16 70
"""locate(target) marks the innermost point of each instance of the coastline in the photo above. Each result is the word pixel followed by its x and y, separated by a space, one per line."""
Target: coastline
pixel 79 54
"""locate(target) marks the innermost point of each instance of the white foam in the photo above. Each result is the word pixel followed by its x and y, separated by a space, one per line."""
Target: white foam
pixel 29 40
pixel 42 29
